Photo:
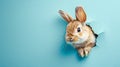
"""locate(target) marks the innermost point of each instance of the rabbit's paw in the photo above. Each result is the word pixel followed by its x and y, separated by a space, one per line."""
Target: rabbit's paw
pixel 81 52
pixel 87 50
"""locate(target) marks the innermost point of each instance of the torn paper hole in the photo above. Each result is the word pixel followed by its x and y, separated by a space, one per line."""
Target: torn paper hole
pixel 98 28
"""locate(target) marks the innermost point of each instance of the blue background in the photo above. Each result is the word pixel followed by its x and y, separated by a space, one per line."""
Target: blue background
pixel 32 33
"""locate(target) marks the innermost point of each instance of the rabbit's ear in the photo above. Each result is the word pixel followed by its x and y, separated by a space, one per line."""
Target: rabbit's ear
pixel 80 14
pixel 67 17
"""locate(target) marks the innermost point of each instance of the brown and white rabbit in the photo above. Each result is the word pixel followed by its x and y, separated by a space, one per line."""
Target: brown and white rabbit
pixel 79 34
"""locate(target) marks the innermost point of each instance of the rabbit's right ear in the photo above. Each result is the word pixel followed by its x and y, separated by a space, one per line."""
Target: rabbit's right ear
pixel 65 16
pixel 80 14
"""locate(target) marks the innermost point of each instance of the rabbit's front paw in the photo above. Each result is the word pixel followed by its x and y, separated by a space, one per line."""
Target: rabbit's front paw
pixel 81 52
pixel 84 51
pixel 87 50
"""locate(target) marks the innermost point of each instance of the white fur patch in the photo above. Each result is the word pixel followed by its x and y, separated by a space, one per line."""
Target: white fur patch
pixel 92 38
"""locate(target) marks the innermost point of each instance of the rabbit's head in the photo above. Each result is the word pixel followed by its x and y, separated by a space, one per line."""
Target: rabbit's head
pixel 76 31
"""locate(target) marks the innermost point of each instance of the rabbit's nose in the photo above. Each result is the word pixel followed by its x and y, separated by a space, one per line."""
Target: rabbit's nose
pixel 71 39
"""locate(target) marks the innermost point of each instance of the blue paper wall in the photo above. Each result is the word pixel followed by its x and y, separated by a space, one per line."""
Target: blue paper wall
pixel 32 33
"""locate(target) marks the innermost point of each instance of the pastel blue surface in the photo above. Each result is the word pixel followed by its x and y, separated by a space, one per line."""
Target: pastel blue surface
pixel 32 33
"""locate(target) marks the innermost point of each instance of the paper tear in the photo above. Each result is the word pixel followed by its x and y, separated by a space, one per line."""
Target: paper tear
pixel 98 29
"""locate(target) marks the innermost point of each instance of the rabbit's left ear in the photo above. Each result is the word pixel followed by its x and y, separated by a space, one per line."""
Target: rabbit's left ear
pixel 66 16
pixel 80 14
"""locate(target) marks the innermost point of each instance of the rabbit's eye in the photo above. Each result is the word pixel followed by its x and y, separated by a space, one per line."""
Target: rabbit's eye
pixel 78 29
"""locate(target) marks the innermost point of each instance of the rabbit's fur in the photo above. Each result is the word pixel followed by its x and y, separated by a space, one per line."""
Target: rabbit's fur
pixel 78 33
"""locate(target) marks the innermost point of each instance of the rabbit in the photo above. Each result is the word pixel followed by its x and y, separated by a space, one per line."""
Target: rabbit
pixel 78 33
